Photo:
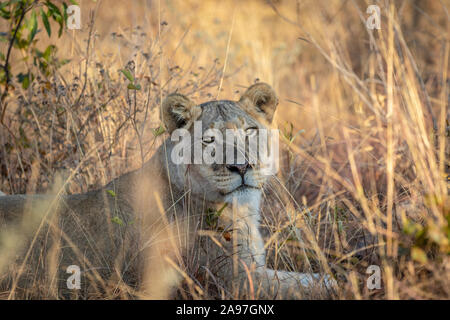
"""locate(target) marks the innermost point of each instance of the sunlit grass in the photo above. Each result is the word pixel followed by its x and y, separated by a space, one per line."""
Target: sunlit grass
pixel 363 116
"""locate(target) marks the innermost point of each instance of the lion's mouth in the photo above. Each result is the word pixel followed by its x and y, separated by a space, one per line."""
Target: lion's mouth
pixel 243 186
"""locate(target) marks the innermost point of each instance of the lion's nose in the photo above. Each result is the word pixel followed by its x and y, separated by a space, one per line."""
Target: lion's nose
pixel 239 168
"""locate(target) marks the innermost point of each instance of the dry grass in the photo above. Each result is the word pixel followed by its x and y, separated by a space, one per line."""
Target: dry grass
pixel 363 115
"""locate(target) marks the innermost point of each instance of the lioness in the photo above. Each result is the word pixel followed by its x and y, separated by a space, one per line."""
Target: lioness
pixel 141 230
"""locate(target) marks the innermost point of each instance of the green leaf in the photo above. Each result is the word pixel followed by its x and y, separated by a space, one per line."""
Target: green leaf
pixel 419 255
pixel 32 26
pixel 46 23
pixel 48 52
pixel 117 220
pixel 61 27
pixel 3 12
pixel 219 212
pixel 127 74
pixel 111 192
pixel 21 43
pixel 56 14
pixel 158 131
pixel 212 216
pixel 24 79
pixel 53 9
pixel 132 86
pixel 3 5
pixel 26 83
pixel 65 11
pixel 62 62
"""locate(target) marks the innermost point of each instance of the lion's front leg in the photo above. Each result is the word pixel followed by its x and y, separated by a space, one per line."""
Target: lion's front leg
pixel 253 273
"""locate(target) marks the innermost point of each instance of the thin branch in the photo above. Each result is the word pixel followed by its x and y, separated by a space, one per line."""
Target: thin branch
pixel 6 65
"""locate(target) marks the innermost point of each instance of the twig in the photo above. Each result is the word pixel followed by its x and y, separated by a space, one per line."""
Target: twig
pixel 6 67
pixel 91 28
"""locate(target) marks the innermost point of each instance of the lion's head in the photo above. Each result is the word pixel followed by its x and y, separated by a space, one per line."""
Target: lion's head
pixel 210 126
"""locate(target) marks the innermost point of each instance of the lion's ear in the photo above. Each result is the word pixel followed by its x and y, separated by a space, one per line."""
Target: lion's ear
pixel 260 99
pixel 179 112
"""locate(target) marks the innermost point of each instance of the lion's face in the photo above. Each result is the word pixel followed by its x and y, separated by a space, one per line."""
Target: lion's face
pixel 222 179
pixel 220 129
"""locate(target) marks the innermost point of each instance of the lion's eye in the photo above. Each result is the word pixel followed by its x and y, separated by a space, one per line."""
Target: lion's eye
pixel 208 140
pixel 251 131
